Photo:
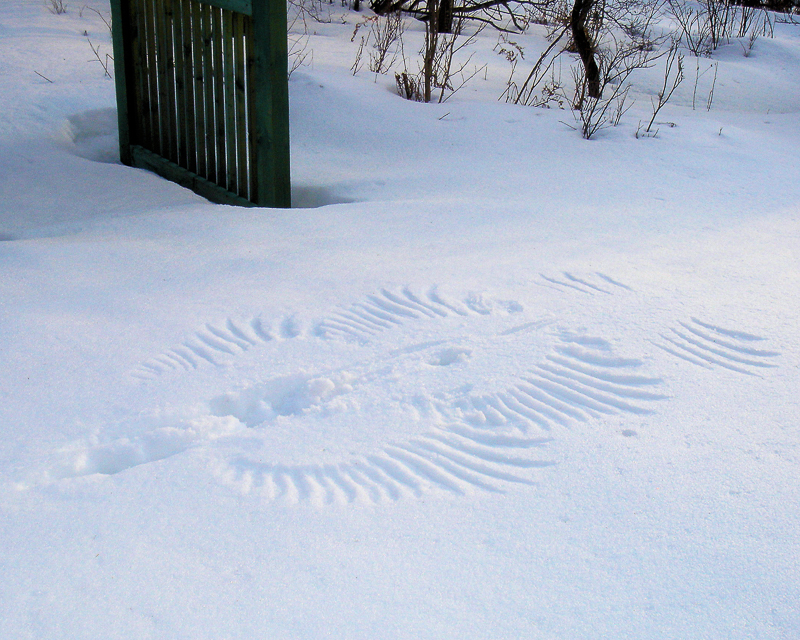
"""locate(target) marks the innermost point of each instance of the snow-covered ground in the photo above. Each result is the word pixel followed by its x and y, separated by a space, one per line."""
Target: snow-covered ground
pixel 495 381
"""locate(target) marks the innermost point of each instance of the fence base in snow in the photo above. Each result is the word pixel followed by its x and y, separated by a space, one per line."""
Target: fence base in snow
pixel 202 95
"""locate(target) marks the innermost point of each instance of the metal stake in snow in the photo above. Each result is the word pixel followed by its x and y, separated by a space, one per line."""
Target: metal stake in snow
pixel 202 95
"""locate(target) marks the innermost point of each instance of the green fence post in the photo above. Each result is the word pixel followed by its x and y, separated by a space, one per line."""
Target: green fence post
pixel 271 104
pixel 122 77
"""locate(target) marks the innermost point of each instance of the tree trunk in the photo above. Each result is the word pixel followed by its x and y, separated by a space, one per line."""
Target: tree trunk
pixel 444 23
pixel 580 12
pixel 382 7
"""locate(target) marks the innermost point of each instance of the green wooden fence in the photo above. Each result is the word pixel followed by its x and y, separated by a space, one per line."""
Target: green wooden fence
pixel 202 95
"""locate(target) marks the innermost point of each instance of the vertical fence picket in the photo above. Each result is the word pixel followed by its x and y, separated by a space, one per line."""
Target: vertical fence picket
pixel 150 10
pixel 208 90
pixel 161 72
pixel 219 97
pixel 138 127
pixel 230 100
pixel 145 32
pixel 208 74
pixel 251 110
pixel 188 86
pixel 239 31
pixel 199 78
pixel 180 83
pixel 168 53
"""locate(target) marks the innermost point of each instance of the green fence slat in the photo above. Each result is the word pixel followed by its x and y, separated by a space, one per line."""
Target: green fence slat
pixel 171 171
pixel 141 119
pixel 199 101
pixel 208 95
pixel 241 104
pixel 168 52
pixel 250 63
pixel 188 86
pixel 152 72
pixel 230 100
pixel 155 74
pixel 219 97
pixel 160 66
pixel 180 83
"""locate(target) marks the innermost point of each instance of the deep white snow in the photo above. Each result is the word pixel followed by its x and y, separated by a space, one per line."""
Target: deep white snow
pixel 489 379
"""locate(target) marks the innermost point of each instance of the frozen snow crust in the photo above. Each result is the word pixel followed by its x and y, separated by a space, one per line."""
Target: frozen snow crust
pixel 488 380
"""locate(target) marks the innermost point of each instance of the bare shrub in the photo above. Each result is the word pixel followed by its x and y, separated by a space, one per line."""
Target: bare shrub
pixel 755 22
pixel 384 39
pixel 387 33
pixel 694 29
pixel 408 86
pixel 617 60
pixel 313 10
pixel 711 23
pixel 537 89
pixel 747 49
pixel 106 20
pixel 504 15
pixel 106 61
pixel 613 38
pixel 710 99
pixel 298 14
pixel 600 113
pixel 697 77
pixel 56 6
pixel 439 72
pixel 636 19
pixel 358 62
pixel 594 113
pixel 673 76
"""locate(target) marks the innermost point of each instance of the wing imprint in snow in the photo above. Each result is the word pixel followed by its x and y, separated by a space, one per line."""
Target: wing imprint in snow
pixel 591 284
pixel 710 346
pixel 485 442
pixel 457 461
pixel 363 321
pixel 213 344
pixel 458 440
